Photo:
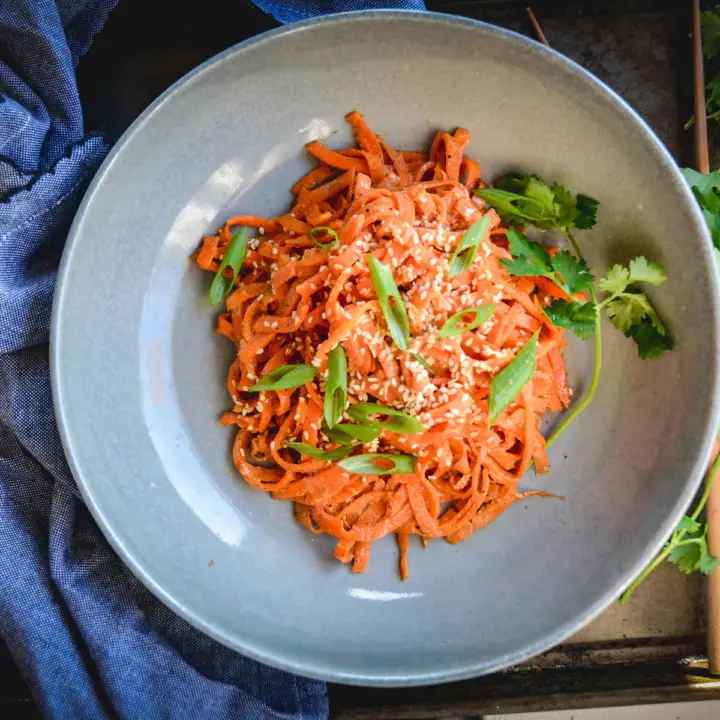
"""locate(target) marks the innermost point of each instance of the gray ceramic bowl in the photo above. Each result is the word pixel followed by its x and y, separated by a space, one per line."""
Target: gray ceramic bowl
pixel 139 375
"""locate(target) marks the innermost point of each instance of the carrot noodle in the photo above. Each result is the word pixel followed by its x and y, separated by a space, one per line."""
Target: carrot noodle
pixel 294 302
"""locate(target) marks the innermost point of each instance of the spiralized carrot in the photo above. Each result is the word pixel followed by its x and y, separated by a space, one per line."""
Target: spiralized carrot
pixel 294 302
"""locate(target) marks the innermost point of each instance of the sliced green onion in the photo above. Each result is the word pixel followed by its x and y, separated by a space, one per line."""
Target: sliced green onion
pixel 284 378
pixel 512 378
pixel 464 255
pixel 390 302
pixel 327 245
pixel 319 454
pixel 398 422
pixel 346 432
pixel 336 385
pixel 452 326
pixel 379 464
pixel 234 258
pixel 424 363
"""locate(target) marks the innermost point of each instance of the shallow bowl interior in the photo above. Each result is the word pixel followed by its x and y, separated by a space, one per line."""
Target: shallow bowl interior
pixel 139 374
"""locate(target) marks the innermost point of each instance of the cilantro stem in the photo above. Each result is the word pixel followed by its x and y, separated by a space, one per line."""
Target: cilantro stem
pixel 613 297
pixel 595 379
pixel 659 560
pixel 575 245
pixel 609 298
pixel 556 279
pixel 691 541
pixel 678 536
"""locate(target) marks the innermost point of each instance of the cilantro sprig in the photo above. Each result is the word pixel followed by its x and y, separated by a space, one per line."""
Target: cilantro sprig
pixel 687 547
pixel 524 200
pixel 626 307
pixel 569 273
pixel 563 268
pixel 630 311
pixel 691 553
pixel 527 200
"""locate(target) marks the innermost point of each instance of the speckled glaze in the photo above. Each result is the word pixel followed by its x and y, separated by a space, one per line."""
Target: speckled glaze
pixel 139 374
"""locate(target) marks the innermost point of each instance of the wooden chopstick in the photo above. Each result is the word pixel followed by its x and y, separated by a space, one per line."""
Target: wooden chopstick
pixel 536 26
pixel 702 163
pixel 702 154
pixel 712 513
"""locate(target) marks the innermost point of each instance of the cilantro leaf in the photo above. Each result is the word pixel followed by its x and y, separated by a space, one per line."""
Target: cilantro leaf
pixel 526 199
pixel 515 182
pixel 522 248
pixel 654 319
pixel 688 524
pixel 504 203
pixel 690 550
pixel 710 24
pixel 537 190
pixel 627 310
pixel 649 341
pixel 574 272
pixel 565 207
pixel 618 277
pixel 686 557
pixel 521 266
pixel 713 223
pixel 631 311
pixel 615 280
pixel 563 268
pixel 578 317
pixel 708 564
pixel 587 212
pixel 706 189
pixel 642 270
pixel 712 98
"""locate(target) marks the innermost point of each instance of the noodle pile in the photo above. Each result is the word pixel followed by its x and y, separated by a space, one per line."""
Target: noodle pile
pixel 295 301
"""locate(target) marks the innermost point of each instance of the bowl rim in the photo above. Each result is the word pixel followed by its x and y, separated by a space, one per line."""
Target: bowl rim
pixel 318 670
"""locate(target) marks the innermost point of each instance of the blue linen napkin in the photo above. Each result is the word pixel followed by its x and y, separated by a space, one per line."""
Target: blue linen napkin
pixel 287 11
pixel 89 639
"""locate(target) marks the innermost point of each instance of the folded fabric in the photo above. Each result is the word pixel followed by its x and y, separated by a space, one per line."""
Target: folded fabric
pixel 88 637
pixel 287 11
